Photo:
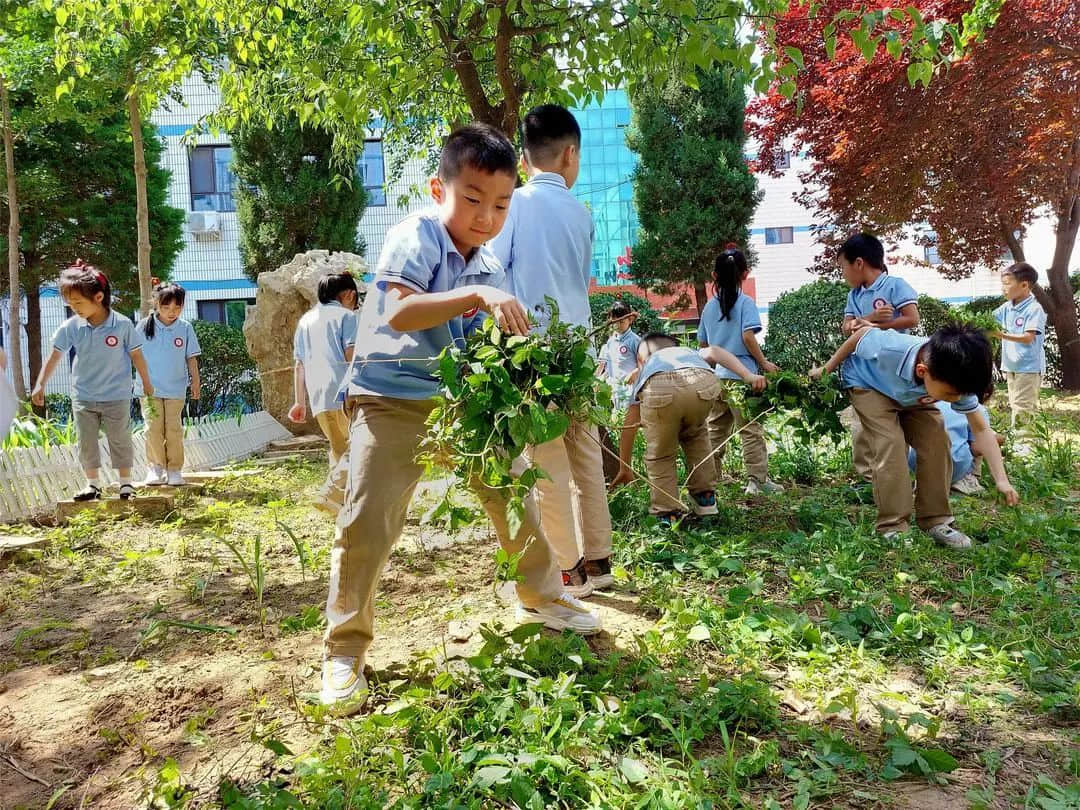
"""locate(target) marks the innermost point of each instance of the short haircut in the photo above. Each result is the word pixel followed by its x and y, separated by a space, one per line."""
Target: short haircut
pixel 87 281
pixel 961 356
pixel 479 146
pixel 1022 271
pixel 620 310
pixel 863 246
pixel 334 284
pixel 546 131
pixel 654 342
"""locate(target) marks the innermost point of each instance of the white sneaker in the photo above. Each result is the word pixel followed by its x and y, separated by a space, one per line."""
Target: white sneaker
pixel 766 487
pixel 564 613
pixel 324 503
pixel 175 479
pixel 344 686
pixel 155 476
pixel 968 485
pixel 944 534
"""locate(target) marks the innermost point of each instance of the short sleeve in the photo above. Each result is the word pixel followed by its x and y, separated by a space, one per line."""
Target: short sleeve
pixel 298 345
pixel 703 323
pixel 348 329
pixel 133 338
pixel 903 294
pixel 999 314
pixel 410 256
pixel 193 347
pixel 966 404
pixel 61 338
pixel 869 345
pixel 1036 321
pixel 749 316
pixel 849 307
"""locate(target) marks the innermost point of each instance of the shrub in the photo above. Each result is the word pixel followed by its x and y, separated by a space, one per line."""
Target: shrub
pixel 648 319
pixel 804 325
pixel 227 372
pixel 933 314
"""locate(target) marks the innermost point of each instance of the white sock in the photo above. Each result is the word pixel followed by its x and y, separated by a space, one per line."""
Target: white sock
pixel 125 479
pixel 93 481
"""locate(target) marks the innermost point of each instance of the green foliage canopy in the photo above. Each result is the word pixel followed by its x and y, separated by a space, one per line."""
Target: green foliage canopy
pixel 804 325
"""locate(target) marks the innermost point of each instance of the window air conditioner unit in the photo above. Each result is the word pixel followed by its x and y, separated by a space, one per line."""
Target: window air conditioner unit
pixel 204 224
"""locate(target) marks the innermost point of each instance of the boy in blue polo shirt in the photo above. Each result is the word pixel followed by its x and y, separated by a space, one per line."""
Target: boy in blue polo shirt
pixel 877 298
pixel 323 348
pixel 966 460
pixel 618 359
pixel 546 248
pixel 434 284
pixel 895 381
pixel 1023 327
pixel 106 345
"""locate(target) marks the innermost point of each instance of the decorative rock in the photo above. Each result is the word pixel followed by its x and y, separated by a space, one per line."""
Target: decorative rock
pixel 282 297
pixel 148 506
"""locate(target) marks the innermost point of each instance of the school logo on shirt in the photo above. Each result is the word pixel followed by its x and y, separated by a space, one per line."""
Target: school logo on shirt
pixel 927 400
pixel 880 302
pixel 623 350
pixel 112 341
pixel 1018 322
pixel 178 342
pixel 470 312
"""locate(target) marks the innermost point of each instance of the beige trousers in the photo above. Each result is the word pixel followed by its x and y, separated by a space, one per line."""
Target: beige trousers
pixel 891 427
pixel 573 503
pixel 1023 394
pixel 723 421
pixel 384 437
pixel 165 433
pixel 335 427
pixel 674 408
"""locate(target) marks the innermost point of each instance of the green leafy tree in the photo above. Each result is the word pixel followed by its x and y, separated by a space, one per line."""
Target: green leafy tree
pixel 693 189
pixel 226 371
pixel 288 201
pixel 804 325
pixel 79 201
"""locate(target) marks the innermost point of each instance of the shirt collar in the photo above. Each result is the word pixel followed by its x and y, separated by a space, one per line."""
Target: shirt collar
pixel 1023 304
pixel 906 367
pixel 879 281
pixel 549 178
pixel 161 324
pixel 109 321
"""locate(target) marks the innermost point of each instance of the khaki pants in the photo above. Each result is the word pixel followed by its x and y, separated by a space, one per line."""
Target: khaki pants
pixel 384 437
pixel 335 427
pixel 165 433
pixel 1023 394
pixel 674 408
pixel 861 453
pixel 574 503
pixel 723 421
pixel 890 427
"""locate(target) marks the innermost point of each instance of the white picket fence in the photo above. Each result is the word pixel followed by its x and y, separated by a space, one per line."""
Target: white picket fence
pixel 32 479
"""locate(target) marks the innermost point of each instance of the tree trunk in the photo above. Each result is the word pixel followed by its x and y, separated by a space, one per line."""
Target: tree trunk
pixel 15 318
pixel 1063 314
pixel 701 296
pixel 33 334
pixel 142 212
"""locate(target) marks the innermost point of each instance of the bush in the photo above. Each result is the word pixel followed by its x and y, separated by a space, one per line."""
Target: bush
pixel 804 325
pixel 648 319
pixel 227 372
pixel 933 314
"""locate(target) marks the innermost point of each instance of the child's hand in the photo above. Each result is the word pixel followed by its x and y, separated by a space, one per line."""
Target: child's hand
pixel 196 391
pixel 625 476
pixel 769 367
pixel 37 396
pixel 816 373
pixel 298 412
pixel 148 390
pixel 881 314
pixel 507 311
pixel 631 378
pixel 1012 498
pixel 757 383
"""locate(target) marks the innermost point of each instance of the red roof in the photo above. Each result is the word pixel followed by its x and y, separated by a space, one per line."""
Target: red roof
pixel 664 303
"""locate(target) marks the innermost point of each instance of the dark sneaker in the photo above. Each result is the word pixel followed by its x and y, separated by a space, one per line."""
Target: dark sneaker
pixel 704 503
pixel 127 491
pixel 665 520
pixel 576 581
pixel 599 572
pixel 87 493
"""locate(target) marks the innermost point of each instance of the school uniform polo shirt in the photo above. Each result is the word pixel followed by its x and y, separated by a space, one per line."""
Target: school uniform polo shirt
pixel 620 355
pixel 102 368
pixel 673 358
pixel 884 361
pixel 546 248
pixel 166 357
pixel 418 253
pixel 728 333
pixel 322 336
pixel 960 438
pixel 887 290
pixel 1017 319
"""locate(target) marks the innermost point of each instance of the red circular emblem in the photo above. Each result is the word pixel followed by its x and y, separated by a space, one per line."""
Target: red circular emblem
pixel 927 400
pixel 623 350
pixel 178 342
pixel 470 312
pixel 112 341
pixel 1019 322
pixel 880 302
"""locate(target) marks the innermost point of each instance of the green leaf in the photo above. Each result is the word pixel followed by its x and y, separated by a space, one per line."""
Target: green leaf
pixel 490 775
pixel 940 761
pixel 633 770
pixel 795 55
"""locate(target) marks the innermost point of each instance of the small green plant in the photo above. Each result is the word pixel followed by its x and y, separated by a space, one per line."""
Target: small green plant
pixel 310 618
pixel 905 755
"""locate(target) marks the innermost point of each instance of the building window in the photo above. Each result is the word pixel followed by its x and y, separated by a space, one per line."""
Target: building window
pixel 931 255
pixel 212 180
pixel 783 161
pixel 230 312
pixel 779 236
pixel 372 171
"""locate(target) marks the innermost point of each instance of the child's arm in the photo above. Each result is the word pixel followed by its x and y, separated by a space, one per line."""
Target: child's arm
pixel 631 423
pixel 144 373
pixel 410 311
pixel 298 411
pixel 750 341
pixel 985 442
pixel 193 372
pixel 885 318
pixel 714 355
pixel 37 396
pixel 840 355
pixel 1026 338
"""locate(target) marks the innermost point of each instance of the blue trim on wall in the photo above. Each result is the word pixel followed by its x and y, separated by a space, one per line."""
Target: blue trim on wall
pixel 794 229
pixel 174 130
pixel 216 284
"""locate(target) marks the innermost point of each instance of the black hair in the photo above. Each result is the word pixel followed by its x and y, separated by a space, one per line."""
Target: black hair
pixel 619 310
pixel 87 281
pixel 334 284
pixel 1022 271
pixel 165 292
pixel 863 246
pixel 655 341
pixel 546 130
pixel 727 278
pixel 960 356
pixel 480 146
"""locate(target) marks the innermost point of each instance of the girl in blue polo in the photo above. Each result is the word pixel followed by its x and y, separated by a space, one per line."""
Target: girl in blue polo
pixel 618 359
pixel 172 355
pixel 105 344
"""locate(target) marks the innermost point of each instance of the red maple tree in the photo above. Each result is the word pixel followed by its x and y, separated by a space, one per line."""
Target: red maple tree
pixel 989 145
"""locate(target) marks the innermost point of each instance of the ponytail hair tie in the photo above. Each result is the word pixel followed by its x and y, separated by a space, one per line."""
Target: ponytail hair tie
pixel 155 281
